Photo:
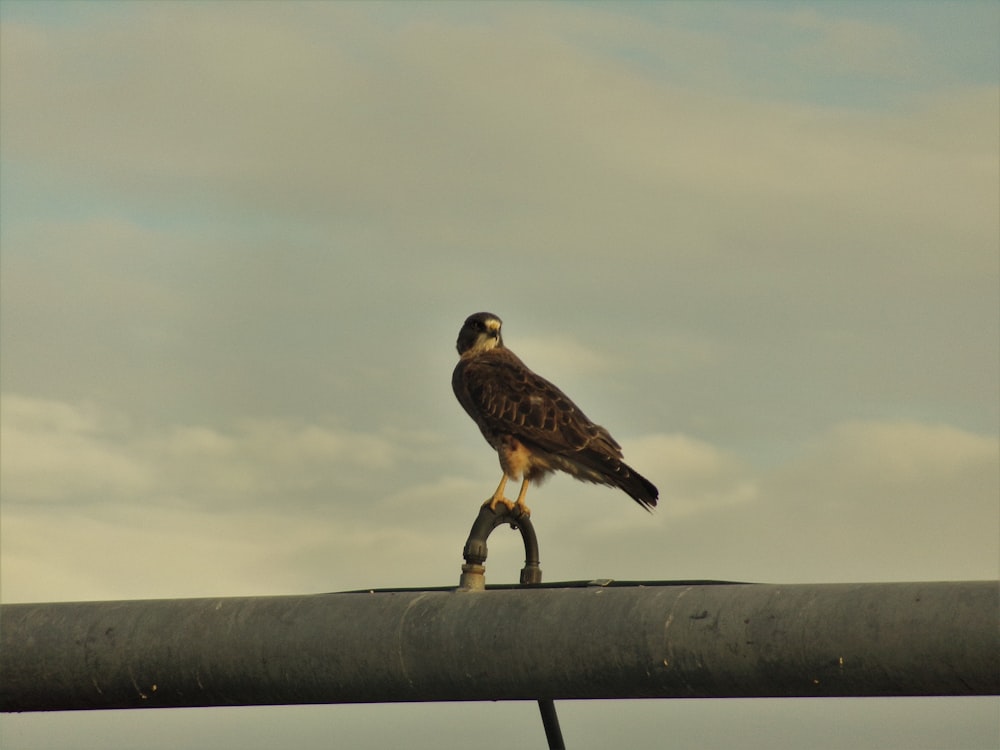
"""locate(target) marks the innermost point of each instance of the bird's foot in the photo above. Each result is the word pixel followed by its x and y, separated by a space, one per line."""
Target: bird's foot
pixel 520 509
pixel 491 503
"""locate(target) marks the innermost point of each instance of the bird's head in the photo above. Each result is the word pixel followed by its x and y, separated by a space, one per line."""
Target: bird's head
pixel 480 333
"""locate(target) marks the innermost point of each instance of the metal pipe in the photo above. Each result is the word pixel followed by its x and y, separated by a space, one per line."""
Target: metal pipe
pixel 550 722
pixel 538 643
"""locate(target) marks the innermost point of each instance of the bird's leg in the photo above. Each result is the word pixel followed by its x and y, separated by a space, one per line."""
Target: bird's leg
pixel 498 495
pixel 519 505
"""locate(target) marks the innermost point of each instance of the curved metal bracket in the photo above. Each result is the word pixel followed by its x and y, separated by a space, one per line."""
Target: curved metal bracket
pixel 474 571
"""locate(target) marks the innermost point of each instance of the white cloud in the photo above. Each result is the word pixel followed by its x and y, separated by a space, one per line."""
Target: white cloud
pixel 52 450
pixel 850 45
pixel 546 354
pixel 899 453
pixel 693 476
pixel 864 501
pixel 267 504
pixel 65 453
pixel 143 549
pixel 895 500
pixel 332 132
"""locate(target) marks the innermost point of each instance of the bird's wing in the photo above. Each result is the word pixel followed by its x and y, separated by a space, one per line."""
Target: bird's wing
pixel 504 397
pixel 507 397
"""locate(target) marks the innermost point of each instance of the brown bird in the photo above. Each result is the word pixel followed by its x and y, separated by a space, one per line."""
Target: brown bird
pixel 533 425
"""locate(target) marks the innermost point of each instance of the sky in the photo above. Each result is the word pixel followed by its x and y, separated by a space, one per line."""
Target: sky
pixel 759 242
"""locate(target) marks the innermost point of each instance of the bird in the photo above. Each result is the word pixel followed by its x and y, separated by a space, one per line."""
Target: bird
pixel 533 426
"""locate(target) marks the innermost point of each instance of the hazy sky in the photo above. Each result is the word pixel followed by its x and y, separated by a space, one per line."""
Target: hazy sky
pixel 757 241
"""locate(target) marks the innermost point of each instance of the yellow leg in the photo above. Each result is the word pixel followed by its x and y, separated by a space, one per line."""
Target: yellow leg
pixel 498 496
pixel 524 509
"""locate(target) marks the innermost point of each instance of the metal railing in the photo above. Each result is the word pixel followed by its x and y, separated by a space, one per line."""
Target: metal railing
pixel 541 642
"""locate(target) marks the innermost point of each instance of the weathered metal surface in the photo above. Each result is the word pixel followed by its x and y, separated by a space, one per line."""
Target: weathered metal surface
pixel 626 641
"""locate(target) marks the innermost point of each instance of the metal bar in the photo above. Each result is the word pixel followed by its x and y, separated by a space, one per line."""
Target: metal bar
pixel 539 643
pixel 550 722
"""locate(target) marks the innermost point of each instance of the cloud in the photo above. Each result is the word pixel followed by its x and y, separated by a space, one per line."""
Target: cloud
pixel 862 501
pixel 67 453
pixel 328 131
pixel 52 450
pixel 95 507
pixel 897 454
pixel 563 352
pixel 890 500
pixel 212 201
pixel 585 180
pixel 695 477
pixel 848 45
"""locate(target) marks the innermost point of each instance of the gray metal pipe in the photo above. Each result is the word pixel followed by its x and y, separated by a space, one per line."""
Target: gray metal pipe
pixel 621 641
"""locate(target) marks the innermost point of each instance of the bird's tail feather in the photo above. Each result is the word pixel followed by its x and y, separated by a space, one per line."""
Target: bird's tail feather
pixel 637 486
pixel 615 472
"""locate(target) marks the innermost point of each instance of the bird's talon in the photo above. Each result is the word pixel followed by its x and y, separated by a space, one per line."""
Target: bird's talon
pixel 492 503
